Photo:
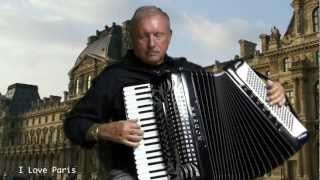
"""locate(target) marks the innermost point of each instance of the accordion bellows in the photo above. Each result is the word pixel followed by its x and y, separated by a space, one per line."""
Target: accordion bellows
pixel 211 126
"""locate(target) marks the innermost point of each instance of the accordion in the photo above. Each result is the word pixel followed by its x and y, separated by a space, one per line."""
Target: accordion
pixel 200 125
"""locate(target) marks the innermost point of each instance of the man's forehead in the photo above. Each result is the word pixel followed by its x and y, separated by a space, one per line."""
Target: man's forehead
pixel 157 16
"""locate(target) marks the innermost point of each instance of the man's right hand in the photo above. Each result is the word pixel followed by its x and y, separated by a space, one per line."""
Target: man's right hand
pixel 126 132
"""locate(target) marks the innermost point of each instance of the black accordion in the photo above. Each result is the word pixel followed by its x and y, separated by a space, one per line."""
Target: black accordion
pixel 200 125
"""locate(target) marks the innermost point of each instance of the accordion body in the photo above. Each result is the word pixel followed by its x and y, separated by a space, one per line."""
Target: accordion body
pixel 211 126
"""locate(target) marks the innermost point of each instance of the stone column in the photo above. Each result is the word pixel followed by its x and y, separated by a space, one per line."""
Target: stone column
pixel 297 95
pixel 301 97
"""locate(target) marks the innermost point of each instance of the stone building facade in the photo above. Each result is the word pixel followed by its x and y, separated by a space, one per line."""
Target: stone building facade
pixel 31 134
pixel 293 59
pixel 33 137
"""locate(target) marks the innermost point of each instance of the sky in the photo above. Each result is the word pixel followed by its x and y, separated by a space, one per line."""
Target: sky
pixel 40 40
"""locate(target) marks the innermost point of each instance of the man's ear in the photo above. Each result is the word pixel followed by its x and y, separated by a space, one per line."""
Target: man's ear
pixel 170 34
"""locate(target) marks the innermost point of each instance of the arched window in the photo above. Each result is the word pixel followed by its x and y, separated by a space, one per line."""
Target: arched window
pixel 89 81
pixel 77 86
pixel 290 97
pixel 286 64
pixel 316 94
pixel 315 20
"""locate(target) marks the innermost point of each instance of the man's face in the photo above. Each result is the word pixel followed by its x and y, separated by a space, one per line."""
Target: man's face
pixel 151 37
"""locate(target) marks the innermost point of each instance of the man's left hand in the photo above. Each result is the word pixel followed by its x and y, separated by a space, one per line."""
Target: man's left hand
pixel 275 93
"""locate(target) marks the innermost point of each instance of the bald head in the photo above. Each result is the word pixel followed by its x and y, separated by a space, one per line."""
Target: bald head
pixel 148 11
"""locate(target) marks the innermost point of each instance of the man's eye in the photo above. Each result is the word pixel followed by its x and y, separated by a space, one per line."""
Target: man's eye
pixel 159 35
pixel 142 37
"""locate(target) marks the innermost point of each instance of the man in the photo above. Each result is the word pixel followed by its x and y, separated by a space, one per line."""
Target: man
pixel 100 114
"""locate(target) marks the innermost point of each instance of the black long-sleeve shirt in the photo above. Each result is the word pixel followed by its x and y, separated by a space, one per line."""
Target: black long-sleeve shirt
pixel 104 101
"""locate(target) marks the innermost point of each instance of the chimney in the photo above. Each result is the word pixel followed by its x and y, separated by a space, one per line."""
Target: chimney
pixel 247 48
pixel 91 39
pixel 264 42
pixel 55 99
pixel 65 95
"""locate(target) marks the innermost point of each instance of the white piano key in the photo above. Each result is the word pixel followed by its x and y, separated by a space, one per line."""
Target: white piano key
pixel 153 154
pixel 162 178
pixel 150 134
pixel 142 116
pixel 136 86
pixel 138 98
pixel 136 92
pixel 149 127
pixel 143 174
pixel 141 153
pixel 144 177
pixel 156 167
pixel 135 104
pixel 130 98
pixel 142 163
pixel 159 173
pixel 147 108
pixel 153 160
pixel 153 147
pixel 153 140
pixel 151 121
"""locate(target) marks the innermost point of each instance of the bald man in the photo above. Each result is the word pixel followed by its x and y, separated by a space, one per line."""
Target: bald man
pixel 100 115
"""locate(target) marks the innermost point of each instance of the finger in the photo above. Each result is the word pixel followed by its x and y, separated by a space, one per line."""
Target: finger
pixel 133 124
pixel 269 84
pixel 272 88
pixel 137 132
pixel 131 144
pixel 277 100
pixel 273 96
pixel 134 138
pixel 282 102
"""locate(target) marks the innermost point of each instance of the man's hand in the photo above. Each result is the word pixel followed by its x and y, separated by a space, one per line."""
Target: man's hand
pixel 275 93
pixel 126 132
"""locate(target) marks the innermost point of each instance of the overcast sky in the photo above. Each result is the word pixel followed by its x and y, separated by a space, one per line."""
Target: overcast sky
pixel 41 39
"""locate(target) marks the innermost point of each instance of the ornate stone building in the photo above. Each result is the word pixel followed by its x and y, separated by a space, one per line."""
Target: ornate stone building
pixel 31 128
pixel 293 59
pixel 31 133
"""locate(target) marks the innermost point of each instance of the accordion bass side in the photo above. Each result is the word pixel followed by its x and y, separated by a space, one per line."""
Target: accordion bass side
pixel 214 126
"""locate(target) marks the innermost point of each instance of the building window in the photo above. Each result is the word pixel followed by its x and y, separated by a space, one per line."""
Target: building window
pixel 89 81
pixel 317 57
pixel 287 64
pixel 315 19
pixel 290 97
pixel 316 94
pixel 77 86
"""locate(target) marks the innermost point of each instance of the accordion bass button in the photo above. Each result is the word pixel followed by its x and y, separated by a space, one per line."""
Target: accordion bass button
pixel 266 111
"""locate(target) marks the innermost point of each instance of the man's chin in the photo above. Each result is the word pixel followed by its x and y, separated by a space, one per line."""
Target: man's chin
pixel 154 60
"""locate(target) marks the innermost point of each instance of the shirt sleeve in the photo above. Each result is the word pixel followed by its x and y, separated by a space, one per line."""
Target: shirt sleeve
pixel 94 107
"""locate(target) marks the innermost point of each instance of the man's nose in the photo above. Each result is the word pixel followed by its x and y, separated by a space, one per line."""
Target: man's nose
pixel 151 41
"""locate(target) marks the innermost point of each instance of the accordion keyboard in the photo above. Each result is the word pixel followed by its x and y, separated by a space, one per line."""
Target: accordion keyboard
pixel 255 87
pixel 148 155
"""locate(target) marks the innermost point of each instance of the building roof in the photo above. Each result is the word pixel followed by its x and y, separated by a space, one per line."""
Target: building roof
pixel 106 44
pixel 21 96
